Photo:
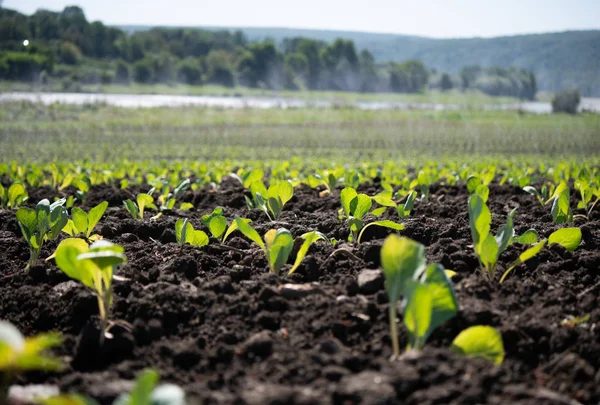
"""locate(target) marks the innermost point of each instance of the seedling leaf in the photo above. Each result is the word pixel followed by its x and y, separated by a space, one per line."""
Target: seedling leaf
pixel 480 341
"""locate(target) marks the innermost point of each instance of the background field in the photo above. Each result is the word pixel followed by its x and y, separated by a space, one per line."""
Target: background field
pixel 37 133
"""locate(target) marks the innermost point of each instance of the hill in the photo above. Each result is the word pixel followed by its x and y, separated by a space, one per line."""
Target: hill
pixel 559 60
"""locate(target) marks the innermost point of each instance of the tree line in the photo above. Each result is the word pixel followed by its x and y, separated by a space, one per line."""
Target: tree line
pixel 66 46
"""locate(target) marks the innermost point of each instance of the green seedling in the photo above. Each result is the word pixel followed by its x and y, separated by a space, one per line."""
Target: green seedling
pixel 143 201
pixel 272 200
pixel 277 245
pixel 587 192
pixel 385 200
pixel 247 177
pixel 83 185
pixel 569 238
pixel 185 233
pixel 167 199
pixel 217 224
pixel 488 247
pixel 429 298
pixel 13 196
pixel 354 209
pixel 94 267
pixel 561 209
pixel 19 354
pixel 40 225
pixel 542 195
pixel 83 224
pixel 309 239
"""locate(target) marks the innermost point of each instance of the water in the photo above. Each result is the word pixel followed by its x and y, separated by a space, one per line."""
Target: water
pixel 151 100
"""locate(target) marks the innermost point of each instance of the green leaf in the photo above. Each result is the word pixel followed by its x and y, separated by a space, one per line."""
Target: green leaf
pixel 309 239
pixel 569 238
pixel 250 233
pixel 384 198
pixel 217 226
pixel 472 183
pixel 363 206
pixel 196 237
pixel 402 259
pixel 180 230
pixel 529 237
pixel 480 219
pixel 186 206
pixel 104 254
pixel 417 314
pixel 505 235
pixel 378 211
pixel 483 191
pixel 284 190
pixel 16 195
pixel 347 195
pixel 94 216
pixel 70 228
pixel 279 245
pixel 66 259
pixel 275 206
pixel 27 219
pixel 181 188
pixel 523 257
pixel 144 385
pixel 132 208
pixel 233 227
pixel 488 252
pixel 384 223
pixel 444 304
pixel 80 219
pixel 480 341
pixel 143 201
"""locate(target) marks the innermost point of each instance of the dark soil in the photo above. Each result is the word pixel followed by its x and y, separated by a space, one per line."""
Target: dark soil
pixel 217 323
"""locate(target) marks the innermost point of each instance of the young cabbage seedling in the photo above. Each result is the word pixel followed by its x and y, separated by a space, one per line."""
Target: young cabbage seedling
pixel 147 392
pixel 587 191
pixel 217 224
pixel 354 208
pixel 40 225
pixel 185 233
pixel 167 199
pixel 271 200
pixel 385 200
pixel 19 354
pixel 93 266
pixel 481 342
pixel 277 245
pixel 429 298
pixel 83 224
pixel 561 209
pixel 137 210
pixel 13 196
pixel 487 247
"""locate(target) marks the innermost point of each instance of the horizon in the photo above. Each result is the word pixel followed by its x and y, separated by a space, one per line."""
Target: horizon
pixel 552 16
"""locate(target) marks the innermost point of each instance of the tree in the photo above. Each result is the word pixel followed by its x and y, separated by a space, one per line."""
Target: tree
pixel 446 82
pixel 566 101
pixel 122 74
pixel 189 71
pixel 142 71
pixel 69 53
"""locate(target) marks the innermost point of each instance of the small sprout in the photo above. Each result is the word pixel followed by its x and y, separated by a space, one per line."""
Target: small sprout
pixel 217 224
pixel 488 247
pixel 385 200
pixel 529 237
pixel 355 207
pixel 40 225
pixel 13 196
pixel 84 224
pixel 167 199
pixel 146 392
pixel 573 321
pixel 20 354
pixel 480 341
pixel 429 298
pixel 561 209
pixel 93 266
pixel 143 201
pixel 277 245
pixel 271 200
pixel 523 257
pixel 185 233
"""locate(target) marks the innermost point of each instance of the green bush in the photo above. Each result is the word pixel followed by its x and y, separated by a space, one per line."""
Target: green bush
pixel 23 66
pixel 566 101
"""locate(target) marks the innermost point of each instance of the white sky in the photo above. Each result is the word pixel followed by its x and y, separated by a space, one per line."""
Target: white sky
pixel 432 18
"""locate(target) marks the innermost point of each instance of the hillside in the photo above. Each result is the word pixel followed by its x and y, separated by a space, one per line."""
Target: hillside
pixel 559 60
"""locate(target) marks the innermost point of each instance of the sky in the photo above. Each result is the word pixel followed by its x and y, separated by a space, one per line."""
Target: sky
pixel 431 18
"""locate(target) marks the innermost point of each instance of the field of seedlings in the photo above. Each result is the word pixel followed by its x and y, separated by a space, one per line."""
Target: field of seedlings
pixel 302 256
